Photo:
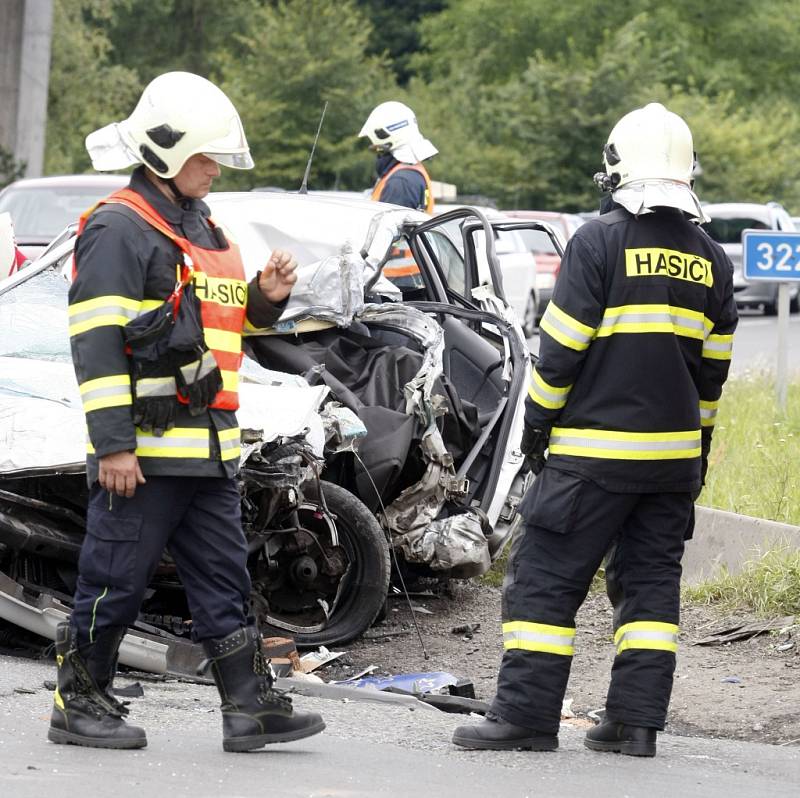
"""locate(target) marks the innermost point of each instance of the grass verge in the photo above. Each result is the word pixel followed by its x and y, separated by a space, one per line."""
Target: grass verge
pixel 768 585
pixel 753 467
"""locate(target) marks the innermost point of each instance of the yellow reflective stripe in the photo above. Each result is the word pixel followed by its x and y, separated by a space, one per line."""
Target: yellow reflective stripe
pixel 708 413
pixel 230 443
pixel 103 392
pixel 718 347
pixel 223 340
pixel 230 380
pixel 565 329
pixel 612 444
pixel 150 304
pixel 652 319
pixel 543 637
pixel 177 442
pixel 653 635
pixel 102 311
pixel 546 395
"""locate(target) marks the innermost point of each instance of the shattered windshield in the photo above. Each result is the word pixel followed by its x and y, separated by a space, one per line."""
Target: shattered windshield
pixel 33 319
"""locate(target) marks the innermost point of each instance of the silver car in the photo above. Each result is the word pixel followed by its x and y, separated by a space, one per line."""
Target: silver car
pixel 728 221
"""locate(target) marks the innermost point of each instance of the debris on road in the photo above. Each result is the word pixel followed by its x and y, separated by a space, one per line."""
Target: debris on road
pixel 731 634
pixel 467 630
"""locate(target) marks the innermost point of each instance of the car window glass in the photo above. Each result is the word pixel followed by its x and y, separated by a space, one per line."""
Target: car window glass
pixel 538 242
pixel 729 231
pixel 450 260
pixel 33 319
pixel 40 214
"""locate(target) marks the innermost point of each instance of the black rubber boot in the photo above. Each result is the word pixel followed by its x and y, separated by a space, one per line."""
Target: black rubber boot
pixel 621 739
pixel 101 660
pixel 83 714
pixel 253 712
pixel 495 734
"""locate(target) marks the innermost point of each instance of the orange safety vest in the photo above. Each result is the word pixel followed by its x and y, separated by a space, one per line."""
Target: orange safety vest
pixel 416 167
pixel 402 263
pixel 219 284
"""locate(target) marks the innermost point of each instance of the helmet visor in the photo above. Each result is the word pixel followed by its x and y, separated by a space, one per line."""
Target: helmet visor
pixel 235 160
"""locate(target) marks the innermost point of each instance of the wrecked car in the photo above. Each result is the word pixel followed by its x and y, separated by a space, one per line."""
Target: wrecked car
pixel 397 429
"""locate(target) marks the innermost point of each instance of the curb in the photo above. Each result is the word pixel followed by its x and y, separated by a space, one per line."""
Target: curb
pixel 731 540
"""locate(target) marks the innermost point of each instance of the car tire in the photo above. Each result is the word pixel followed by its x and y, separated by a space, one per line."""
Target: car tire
pixel 529 320
pixel 794 304
pixel 364 594
pixel 770 308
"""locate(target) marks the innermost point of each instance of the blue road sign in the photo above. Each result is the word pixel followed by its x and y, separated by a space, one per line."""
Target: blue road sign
pixel 771 255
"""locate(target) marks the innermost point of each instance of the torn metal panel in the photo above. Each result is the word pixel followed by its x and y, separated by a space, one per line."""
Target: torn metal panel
pixel 457 545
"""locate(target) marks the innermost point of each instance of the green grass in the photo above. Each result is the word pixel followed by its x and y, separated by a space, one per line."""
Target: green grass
pixel 754 467
pixel 768 585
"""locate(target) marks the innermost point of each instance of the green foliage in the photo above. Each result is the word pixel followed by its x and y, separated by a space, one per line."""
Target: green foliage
pixel 768 585
pixel 86 90
pixel 10 168
pixel 280 74
pixel 755 452
pixel 518 95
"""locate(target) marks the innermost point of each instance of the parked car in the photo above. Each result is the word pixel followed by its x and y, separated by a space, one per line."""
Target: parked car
pixel 548 260
pixel 42 207
pixel 728 221
pixel 437 385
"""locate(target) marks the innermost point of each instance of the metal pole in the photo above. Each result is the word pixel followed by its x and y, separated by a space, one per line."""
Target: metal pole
pixel 783 349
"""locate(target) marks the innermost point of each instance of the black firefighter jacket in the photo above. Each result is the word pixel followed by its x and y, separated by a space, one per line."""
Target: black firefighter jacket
pixel 124 268
pixel 635 347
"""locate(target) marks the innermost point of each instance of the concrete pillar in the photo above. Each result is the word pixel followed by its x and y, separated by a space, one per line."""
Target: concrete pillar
pixel 26 28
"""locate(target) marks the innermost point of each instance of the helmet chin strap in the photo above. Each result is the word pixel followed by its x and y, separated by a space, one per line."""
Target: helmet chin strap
pixel 174 190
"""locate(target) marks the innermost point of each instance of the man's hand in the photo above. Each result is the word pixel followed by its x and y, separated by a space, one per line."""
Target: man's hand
pixel 278 276
pixel 533 446
pixel 120 473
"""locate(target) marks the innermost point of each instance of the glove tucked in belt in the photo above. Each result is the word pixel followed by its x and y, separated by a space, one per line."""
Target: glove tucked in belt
pixel 196 371
pixel 153 382
pixel 533 446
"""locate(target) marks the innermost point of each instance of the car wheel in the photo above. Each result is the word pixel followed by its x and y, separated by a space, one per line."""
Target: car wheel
pixel 794 303
pixel 770 308
pixel 321 594
pixel 529 319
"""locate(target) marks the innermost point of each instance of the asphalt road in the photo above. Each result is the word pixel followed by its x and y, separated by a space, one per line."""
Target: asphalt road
pixel 367 750
pixel 755 344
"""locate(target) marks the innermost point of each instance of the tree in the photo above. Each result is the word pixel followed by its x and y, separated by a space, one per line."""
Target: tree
pixel 280 74
pixel 86 90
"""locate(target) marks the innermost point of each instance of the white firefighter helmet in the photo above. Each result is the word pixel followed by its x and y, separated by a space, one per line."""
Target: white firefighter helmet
pixel 649 160
pixel 650 143
pixel 178 115
pixel 392 127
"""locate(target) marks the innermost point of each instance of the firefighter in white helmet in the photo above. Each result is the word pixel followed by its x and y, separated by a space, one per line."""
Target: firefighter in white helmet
pixel 401 148
pixel 157 363
pixel 634 349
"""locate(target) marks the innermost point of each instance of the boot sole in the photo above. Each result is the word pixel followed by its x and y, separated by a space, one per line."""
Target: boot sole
pixel 242 744
pixel 526 744
pixel 627 748
pixel 69 738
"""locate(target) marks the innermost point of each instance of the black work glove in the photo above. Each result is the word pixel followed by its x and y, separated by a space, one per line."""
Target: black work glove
pixel 196 371
pixel 705 449
pixel 152 381
pixel 198 378
pixel 533 446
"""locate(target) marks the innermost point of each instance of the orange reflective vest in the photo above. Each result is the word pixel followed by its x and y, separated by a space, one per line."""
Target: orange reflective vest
pixel 220 286
pixel 416 167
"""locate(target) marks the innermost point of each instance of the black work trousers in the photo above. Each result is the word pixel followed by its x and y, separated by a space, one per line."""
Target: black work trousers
pixel 198 519
pixel 570 525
